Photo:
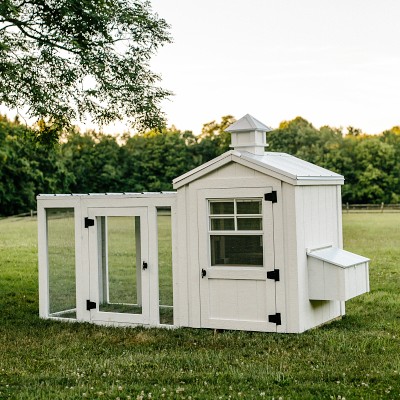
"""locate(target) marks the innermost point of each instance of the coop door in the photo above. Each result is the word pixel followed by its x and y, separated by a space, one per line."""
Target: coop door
pixel 236 250
pixel 118 252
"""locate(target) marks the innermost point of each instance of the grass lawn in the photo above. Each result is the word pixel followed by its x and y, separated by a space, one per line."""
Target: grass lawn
pixel 357 357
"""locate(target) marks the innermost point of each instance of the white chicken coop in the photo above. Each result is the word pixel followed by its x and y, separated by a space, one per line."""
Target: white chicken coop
pixel 251 240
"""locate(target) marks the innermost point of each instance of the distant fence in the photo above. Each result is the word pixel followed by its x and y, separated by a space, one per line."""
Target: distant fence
pixel 346 208
pixel 374 208
pixel 31 214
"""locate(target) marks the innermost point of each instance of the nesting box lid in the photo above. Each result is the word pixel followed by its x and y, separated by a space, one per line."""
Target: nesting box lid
pixel 339 257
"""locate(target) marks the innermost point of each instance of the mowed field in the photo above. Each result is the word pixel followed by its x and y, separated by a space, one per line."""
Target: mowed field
pixel 357 357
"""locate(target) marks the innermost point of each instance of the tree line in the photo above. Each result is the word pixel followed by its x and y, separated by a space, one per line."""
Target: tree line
pixel 92 162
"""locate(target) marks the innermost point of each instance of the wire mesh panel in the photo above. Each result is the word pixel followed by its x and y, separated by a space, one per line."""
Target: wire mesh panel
pixel 166 310
pixel 120 270
pixel 61 262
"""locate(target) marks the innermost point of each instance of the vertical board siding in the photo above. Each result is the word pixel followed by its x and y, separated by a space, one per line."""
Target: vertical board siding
pixel 279 258
pixel 234 170
pixel 317 225
pixel 193 259
pixel 290 258
pixel 339 220
pixel 237 300
pixel 180 273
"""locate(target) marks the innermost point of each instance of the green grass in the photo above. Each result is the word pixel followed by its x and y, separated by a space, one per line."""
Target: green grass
pixel 357 357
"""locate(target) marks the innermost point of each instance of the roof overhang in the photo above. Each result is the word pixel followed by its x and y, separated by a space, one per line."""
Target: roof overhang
pixel 315 176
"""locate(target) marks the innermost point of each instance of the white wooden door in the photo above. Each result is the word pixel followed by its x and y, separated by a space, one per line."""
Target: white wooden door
pixel 118 256
pixel 236 250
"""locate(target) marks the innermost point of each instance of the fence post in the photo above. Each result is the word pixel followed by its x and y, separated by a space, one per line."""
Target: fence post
pixel 382 207
pixel 347 207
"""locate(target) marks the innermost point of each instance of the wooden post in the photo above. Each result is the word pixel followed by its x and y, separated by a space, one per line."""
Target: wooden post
pixel 382 204
pixel 347 207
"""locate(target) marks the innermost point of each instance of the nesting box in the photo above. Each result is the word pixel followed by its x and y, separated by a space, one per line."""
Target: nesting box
pixel 255 242
pixel 336 274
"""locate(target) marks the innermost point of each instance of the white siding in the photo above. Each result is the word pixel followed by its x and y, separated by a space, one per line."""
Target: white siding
pixel 181 270
pixel 290 258
pixel 231 299
pixel 193 274
pixel 317 215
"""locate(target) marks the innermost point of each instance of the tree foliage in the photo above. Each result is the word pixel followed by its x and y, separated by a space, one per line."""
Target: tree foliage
pixel 92 162
pixel 67 60
pixel 369 163
pixel 27 169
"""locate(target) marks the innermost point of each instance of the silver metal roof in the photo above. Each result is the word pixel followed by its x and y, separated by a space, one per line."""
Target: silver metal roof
pixel 290 166
pixel 338 257
pixel 248 123
pixel 282 166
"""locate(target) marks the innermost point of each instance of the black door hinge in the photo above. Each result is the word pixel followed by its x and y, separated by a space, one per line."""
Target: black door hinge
pixel 89 222
pixel 90 305
pixel 275 318
pixel 203 273
pixel 271 196
pixel 273 275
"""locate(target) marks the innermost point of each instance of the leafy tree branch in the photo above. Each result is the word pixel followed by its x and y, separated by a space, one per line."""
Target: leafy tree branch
pixel 71 60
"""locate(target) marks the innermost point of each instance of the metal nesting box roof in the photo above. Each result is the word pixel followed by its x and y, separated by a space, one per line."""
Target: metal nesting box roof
pixel 338 257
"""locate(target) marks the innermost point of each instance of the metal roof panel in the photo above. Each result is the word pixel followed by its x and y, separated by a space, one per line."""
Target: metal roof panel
pixel 248 123
pixel 292 167
pixel 284 166
pixel 338 257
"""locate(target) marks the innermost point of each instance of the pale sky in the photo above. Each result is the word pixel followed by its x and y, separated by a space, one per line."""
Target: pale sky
pixel 333 62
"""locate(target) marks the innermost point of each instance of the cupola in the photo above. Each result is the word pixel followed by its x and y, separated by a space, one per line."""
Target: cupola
pixel 248 134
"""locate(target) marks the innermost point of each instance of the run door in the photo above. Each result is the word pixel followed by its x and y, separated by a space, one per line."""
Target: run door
pixel 236 252
pixel 118 255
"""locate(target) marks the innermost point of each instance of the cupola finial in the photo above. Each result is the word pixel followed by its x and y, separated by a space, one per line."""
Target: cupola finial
pixel 248 134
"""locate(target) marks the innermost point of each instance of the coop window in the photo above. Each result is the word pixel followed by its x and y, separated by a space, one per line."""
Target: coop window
pixel 236 232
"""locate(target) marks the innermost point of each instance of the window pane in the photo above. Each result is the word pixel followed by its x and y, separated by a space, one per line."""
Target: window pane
pixel 222 224
pixel 248 206
pixel 236 250
pixel 249 224
pixel 221 207
pixel 61 259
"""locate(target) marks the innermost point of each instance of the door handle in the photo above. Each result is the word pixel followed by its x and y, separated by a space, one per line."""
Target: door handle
pixel 203 273
pixel 144 265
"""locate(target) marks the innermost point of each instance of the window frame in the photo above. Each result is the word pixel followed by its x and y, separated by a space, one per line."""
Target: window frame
pixel 235 232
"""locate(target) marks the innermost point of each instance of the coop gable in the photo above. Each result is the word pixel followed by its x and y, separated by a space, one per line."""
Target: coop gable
pixel 282 166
